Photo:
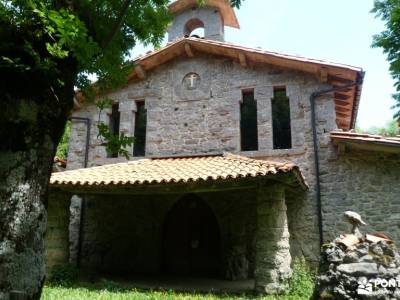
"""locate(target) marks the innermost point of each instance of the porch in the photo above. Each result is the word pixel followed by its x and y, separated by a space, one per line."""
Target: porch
pixel 211 220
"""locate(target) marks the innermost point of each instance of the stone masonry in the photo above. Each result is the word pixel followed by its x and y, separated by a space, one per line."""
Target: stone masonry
pixel 254 225
pixel 211 124
pixel 208 17
pixel 272 241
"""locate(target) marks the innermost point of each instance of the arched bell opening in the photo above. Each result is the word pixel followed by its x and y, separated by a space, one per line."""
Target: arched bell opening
pixel 194 28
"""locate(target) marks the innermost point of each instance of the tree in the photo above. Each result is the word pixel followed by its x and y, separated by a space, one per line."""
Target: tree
pixel 391 129
pixel 48 48
pixel 389 40
pixel 63 145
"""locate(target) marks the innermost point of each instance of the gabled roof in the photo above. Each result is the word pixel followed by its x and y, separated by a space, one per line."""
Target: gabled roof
pixel 362 141
pixel 226 10
pixel 335 74
pixel 175 170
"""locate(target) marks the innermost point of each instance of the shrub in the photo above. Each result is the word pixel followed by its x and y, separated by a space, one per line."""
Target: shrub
pixel 64 274
pixel 303 280
pixel 110 285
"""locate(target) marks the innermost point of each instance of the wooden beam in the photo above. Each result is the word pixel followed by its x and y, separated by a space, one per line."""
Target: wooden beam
pixel 342 103
pixel 342 109
pixel 341 96
pixel 342 124
pixel 188 50
pixel 242 59
pixel 323 74
pixel 343 115
pixel 343 90
pixel 340 80
pixel 140 72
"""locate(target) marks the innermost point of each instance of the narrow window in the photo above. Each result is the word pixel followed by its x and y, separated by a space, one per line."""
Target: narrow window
pixel 139 146
pixel 248 122
pixel 281 131
pixel 114 124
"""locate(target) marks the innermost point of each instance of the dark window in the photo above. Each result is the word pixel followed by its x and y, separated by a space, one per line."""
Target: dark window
pixel 282 134
pixel 248 122
pixel 114 124
pixel 140 130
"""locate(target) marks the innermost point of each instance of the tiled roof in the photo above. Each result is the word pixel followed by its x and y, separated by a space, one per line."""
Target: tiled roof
pixel 362 137
pixel 253 50
pixel 175 170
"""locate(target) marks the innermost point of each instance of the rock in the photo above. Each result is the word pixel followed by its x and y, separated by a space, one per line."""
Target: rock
pixel 366 258
pixel 336 256
pixel 351 257
pixel 358 269
pixel 362 249
pixel 376 249
pixel 351 274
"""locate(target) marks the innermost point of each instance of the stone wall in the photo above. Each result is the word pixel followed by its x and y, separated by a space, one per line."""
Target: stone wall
pixel 57 236
pixel 207 120
pixel 366 182
pixel 210 124
pixel 211 18
pixel 124 233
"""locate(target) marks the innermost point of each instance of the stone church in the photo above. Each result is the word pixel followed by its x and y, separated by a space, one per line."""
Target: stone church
pixel 243 159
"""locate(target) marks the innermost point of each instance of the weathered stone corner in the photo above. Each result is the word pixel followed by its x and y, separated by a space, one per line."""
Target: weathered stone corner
pixel 272 253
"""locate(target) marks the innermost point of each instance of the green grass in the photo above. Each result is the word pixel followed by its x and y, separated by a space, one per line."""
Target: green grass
pixel 98 293
pixel 66 285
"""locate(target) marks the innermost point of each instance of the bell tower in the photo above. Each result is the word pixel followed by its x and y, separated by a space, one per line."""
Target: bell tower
pixel 212 17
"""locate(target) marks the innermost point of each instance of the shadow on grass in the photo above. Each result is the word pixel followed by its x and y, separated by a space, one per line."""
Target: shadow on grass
pixel 99 284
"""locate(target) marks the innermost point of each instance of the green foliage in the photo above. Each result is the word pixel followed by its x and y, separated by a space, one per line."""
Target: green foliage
pixel 61 43
pixel 114 143
pixel 389 41
pixel 64 275
pixel 391 129
pixel 93 37
pixel 111 286
pixel 62 148
pixel 303 280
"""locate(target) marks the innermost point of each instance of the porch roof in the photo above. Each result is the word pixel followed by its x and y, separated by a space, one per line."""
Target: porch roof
pixel 362 141
pixel 164 171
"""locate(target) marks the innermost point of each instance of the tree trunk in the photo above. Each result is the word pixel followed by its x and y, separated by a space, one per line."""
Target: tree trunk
pixel 32 119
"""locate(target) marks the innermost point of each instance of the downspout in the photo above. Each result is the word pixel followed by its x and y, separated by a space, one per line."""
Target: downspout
pixel 313 97
pixel 83 203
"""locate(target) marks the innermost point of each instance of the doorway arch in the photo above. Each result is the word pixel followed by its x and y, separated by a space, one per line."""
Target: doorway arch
pixel 191 239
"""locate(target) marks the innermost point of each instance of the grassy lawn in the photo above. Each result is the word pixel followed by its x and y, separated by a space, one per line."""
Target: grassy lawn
pixel 115 293
pixel 67 284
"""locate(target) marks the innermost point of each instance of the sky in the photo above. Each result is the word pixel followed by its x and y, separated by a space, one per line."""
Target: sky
pixel 334 30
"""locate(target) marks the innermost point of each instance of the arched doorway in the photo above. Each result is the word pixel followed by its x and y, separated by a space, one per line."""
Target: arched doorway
pixel 191 239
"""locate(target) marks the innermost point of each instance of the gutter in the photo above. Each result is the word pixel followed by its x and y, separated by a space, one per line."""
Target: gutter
pixel 313 97
pixel 83 203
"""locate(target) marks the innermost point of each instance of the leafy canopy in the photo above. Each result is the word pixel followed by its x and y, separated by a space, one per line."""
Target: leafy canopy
pixel 42 39
pixel 389 41
pixel 94 36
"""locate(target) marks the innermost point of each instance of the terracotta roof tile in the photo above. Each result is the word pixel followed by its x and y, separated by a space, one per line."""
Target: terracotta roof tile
pixel 363 137
pixel 174 170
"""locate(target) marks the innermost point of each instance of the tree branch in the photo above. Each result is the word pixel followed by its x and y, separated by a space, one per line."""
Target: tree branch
pixel 117 23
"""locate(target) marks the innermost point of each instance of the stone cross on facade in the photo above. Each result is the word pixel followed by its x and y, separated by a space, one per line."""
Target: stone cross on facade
pixel 191 81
